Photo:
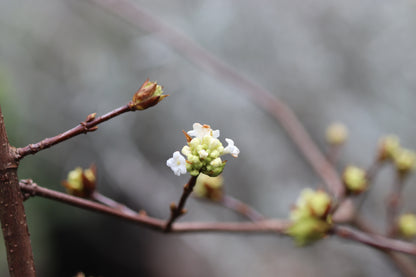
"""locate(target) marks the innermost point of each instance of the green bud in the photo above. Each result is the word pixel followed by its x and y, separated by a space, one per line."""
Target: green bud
pixel 355 179
pixel 405 160
pixel 387 147
pixel 81 182
pixel 407 225
pixel 308 230
pixel 336 134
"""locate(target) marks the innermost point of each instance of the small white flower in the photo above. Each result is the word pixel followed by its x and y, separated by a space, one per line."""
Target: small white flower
pixel 231 148
pixel 201 131
pixel 177 163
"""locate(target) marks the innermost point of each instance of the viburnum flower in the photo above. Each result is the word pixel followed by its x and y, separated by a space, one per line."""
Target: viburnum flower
pixel 177 163
pixel 231 148
pixel 203 152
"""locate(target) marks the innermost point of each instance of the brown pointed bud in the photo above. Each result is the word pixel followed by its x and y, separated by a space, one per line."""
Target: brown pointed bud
pixel 148 95
pixel 184 211
pixel 173 206
pixel 90 117
pixel 81 182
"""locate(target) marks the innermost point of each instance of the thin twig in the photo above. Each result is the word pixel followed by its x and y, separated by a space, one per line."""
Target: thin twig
pixel 370 175
pixel 89 125
pixel 265 99
pixel 240 207
pixel 374 240
pixel 406 267
pixel 333 154
pixel 111 203
pixel 178 210
pixel 393 205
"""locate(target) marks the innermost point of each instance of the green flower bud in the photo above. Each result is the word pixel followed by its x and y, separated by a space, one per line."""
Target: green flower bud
pixel 405 160
pixel 407 225
pixel 311 204
pixel 81 182
pixel 387 147
pixel 355 179
pixel 336 134
pixel 310 216
pixel 308 230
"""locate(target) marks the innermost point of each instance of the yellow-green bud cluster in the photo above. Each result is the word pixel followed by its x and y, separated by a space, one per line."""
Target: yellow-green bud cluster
pixel 81 182
pixel 407 225
pixel 390 149
pixel 203 156
pixel 310 216
pixel 355 179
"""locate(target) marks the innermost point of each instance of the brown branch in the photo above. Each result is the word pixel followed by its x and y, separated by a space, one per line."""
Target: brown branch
pixel 263 98
pixel 406 267
pixel 371 172
pixel 96 196
pixel 267 226
pixel 240 207
pixel 178 210
pixel 333 154
pixel 12 212
pixel 89 125
pixel 374 240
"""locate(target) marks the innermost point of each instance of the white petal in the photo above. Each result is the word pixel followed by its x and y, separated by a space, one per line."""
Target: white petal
pixel 177 163
pixel 231 148
pixel 216 133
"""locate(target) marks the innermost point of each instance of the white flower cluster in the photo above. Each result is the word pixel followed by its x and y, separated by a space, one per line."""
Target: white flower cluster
pixel 203 153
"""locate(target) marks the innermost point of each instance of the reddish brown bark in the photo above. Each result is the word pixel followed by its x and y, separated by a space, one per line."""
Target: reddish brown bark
pixel 12 213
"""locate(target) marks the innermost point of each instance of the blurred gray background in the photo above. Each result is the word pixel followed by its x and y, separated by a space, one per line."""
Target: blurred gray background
pixel 348 61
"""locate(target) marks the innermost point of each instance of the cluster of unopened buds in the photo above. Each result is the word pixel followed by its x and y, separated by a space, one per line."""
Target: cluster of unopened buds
pixel 310 216
pixel 81 182
pixel 390 150
pixel 203 153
